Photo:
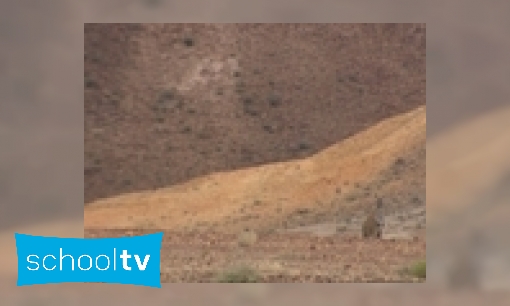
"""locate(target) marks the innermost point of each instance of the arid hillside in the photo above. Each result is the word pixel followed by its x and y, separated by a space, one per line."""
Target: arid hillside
pixel 268 216
pixel 165 103
pixel 386 161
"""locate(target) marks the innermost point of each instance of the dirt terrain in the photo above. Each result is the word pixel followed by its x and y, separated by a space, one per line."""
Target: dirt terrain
pixel 296 258
pixel 257 216
pixel 388 158
pixel 282 131
pixel 165 103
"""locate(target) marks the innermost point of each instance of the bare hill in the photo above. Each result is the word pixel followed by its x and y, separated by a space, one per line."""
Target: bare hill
pixel 167 103
pixel 252 216
pixel 386 161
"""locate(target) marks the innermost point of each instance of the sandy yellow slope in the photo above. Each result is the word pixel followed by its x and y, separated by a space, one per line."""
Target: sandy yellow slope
pixel 281 186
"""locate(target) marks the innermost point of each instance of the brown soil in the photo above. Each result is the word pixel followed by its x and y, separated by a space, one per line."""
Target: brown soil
pixel 204 218
pixel 167 103
pixel 203 257
pixel 212 131
pixel 345 178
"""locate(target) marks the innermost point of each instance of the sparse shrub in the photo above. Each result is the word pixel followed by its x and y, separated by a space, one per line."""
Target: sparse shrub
pixel 248 100
pixel 250 111
pixel 419 269
pixel 240 274
pixel 303 145
pixel 167 95
pixel 351 198
pixel 399 161
pixel 188 41
pixel 341 228
pixel 186 130
pixel 90 83
pixel 268 128
pixel 302 211
pixel 168 99
pixel 92 170
pixel 247 238
pixel 274 100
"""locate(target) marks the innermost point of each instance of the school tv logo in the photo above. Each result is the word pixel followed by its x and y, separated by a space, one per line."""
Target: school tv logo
pixel 125 260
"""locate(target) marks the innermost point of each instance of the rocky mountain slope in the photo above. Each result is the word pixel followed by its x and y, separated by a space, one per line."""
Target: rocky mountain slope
pixel 165 103
pixel 386 161
pixel 257 216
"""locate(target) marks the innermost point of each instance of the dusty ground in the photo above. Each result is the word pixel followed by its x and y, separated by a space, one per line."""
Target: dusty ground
pixel 206 217
pixel 290 257
pixel 339 180
pixel 218 129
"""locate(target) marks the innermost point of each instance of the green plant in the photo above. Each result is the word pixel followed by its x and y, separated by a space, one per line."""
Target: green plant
pixel 240 274
pixel 419 269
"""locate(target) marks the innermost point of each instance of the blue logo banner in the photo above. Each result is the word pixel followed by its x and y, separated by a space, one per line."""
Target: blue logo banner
pixel 125 260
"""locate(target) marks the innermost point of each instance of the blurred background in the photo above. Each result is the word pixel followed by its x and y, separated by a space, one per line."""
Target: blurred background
pixel 468 144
